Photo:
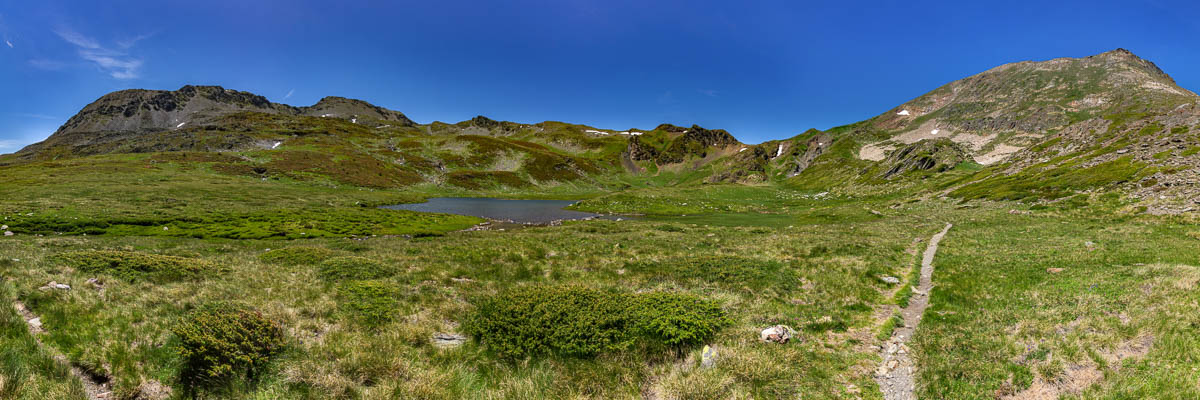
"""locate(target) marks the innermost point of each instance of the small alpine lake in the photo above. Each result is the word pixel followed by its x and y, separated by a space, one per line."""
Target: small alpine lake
pixel 518 211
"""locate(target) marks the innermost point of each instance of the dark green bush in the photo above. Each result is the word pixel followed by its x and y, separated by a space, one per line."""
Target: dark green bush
pixel 222 341
pixel 677 319
pixel 578 321
pixel 372 302
pixel 353 268
pixel 297 255
pixel 130 265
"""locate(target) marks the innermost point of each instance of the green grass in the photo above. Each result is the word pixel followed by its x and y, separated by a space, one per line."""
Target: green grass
pixel 998 314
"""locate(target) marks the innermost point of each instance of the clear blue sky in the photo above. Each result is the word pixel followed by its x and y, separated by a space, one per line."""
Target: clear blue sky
pixel 760 69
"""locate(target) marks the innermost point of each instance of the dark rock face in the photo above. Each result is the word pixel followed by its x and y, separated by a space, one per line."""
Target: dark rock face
pixel 927 155
pixel 639 151
pixel 696 141
pixel 131 113
pixel 484 122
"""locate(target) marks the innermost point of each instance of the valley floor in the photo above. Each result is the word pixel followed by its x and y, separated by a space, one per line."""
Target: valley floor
pixel 1045 303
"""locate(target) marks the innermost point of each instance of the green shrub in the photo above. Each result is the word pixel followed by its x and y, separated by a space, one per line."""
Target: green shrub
pixel 577 321
pixel 373 302
pixel 222 341
pixel 677 319
pixel 130 265
pixel 297 255
pixel 353 268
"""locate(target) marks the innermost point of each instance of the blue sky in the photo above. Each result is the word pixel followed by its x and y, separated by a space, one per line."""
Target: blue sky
pixel 760 69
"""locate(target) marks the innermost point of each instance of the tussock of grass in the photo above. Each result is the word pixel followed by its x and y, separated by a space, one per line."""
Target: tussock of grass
pixel 373 302
pixel 731 272
pixel 353 268
pixel 130 265
pixel 297 255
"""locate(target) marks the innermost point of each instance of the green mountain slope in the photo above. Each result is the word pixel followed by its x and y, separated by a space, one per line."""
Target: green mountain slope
pixel 1029 130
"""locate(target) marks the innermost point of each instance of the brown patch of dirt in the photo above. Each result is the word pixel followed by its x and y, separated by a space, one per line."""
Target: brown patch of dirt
pixel 1078 377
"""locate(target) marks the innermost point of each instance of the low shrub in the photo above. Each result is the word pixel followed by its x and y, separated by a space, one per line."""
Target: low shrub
pixel 677 319
pixel 578 321
pixel 222 341
pixel 297 255
pixel 373 302
pixel 131 265
pixel 353 268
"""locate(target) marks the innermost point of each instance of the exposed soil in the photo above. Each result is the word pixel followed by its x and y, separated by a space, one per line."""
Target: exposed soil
pixel 896 373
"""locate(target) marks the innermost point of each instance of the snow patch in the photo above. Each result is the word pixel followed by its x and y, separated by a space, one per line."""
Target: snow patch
pixel 596 132
pixel 743 149
pixel 326 115
pixel 180 125
pixel 903 112
pixel 934 132
pixel 780 151
pixel 354 120
pixel 276 145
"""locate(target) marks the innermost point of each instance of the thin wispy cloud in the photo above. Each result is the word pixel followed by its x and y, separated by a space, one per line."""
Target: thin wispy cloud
pixel 48 65
pixel 290 93
pixel 37 116
pixel 77 39
pixel 10 146
pixel 9 43
pixel 708 92
pixel 117 64
pixel 127 43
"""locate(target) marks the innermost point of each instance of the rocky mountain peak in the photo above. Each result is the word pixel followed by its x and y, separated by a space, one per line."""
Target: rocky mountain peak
pixel 1000 111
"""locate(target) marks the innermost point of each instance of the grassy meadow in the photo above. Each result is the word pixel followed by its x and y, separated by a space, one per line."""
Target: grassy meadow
pixel 359 294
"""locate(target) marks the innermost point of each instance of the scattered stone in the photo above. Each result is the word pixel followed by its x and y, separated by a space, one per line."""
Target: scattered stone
pixel 890 279
pixel 444 340
pixel 55 286
pixel 708 357
pixel 777 334
pixel 8 233
pixel 165 228
pixel 877 213
pixel 5 227
pixel 153 390
pixel 1054 270
pixel 36 324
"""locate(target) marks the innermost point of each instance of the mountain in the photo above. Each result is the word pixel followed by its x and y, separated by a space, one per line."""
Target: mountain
pixel 1028 130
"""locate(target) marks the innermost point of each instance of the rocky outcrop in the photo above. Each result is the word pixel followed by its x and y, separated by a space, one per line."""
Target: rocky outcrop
pixel 639 151
pixel 341 107
pixel 130 114
pixel 927 155
pixel 695 142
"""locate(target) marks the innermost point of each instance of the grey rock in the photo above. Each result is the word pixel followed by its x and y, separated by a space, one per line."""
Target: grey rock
pixel 708 357
pixel 777 334
pixel 890 279
pixel 442 339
